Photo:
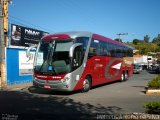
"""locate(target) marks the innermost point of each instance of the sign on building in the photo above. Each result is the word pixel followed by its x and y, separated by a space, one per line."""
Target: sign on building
pixel 25 64
pixel 23 36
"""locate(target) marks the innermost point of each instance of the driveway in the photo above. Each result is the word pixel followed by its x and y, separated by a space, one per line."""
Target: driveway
pixel 113 98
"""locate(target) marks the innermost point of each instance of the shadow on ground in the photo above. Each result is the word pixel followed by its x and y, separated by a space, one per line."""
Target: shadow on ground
pixel 34 107
pixel 35 90
pixel 144 88
pixel 152 72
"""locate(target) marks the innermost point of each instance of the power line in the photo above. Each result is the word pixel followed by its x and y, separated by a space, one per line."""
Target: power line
pixel 25 23
pixel 11 21
pixel 120 34
pixel 28 24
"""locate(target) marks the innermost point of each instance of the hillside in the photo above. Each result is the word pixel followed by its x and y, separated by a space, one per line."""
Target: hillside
pixel 144 48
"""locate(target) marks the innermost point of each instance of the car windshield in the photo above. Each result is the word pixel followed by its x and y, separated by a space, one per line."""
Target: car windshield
pixel 136 67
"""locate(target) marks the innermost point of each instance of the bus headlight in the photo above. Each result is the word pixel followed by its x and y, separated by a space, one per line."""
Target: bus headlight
pixel 65 79
pixel 34 78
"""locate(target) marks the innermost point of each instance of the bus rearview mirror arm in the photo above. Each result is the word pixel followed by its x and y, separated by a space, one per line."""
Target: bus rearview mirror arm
pixel 71 51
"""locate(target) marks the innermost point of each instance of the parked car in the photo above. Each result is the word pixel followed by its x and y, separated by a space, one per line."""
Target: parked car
pixel 140 67
pixel 156 68
pixel 137 69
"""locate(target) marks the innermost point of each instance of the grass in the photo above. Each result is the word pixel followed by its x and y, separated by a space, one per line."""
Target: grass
pixel 152 107
pixel 154 83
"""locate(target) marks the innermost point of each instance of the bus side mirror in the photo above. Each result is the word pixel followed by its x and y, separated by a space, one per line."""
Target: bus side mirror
pixel 28 53
pixel 71 51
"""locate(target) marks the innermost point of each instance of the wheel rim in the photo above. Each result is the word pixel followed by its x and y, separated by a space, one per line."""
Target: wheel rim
pixel 122 77
pixel 126 76
pixel 86 84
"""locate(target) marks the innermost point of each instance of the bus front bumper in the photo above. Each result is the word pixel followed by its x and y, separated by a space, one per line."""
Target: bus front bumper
pixel 50 84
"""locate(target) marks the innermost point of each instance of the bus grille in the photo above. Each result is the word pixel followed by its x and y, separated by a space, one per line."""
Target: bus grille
pixel 49 81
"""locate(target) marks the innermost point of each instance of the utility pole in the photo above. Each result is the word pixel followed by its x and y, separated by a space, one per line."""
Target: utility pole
pixel 3 41
pixel 119 35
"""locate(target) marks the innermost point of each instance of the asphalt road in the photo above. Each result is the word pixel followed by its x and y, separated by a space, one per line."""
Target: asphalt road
pixel 113 98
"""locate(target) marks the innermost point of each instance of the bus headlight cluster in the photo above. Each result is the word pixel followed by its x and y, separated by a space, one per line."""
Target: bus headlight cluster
pixel 34 78
pixel 65 79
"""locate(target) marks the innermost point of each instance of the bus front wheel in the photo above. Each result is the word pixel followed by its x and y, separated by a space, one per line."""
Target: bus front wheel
pixel 86 84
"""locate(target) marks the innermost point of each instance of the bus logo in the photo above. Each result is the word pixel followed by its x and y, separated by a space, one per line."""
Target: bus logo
pixel 117 67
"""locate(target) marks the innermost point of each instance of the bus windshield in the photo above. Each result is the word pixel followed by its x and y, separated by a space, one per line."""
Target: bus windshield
pixel 52 57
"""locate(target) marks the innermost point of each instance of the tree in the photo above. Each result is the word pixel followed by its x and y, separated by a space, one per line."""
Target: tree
pixel 136 41
pixel 119 40
pixel 156 40
pixel 146 39
pixel 145 47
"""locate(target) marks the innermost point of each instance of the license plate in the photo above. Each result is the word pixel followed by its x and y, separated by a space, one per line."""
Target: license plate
pixel 47 86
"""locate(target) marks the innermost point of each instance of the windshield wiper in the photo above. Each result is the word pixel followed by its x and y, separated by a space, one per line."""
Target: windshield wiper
pixel 51 52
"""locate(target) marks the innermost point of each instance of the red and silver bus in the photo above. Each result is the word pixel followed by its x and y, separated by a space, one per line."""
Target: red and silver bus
pixel 79 60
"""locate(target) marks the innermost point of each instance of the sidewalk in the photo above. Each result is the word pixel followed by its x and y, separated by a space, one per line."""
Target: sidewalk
pixel 18 87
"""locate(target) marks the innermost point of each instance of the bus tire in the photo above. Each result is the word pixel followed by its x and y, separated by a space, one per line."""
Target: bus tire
pixel 123 76
pixel 126 75
pixel 86 84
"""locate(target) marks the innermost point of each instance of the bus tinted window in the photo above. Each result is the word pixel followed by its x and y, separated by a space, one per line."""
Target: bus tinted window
pixel 101 48
pixel 104 49
pixel 83 40
pixel 94 48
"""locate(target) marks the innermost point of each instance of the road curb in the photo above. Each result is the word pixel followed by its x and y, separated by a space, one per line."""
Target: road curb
pixel 153 91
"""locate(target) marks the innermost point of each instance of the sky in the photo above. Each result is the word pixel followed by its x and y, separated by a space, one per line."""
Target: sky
pixel 105 17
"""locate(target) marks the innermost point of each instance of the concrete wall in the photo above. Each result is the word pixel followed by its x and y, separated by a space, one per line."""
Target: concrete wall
pixel 13 71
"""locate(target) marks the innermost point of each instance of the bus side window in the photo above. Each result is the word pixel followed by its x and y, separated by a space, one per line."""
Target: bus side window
pixel 83 40
pixel 112 50
pixel 104 49
pixel 94 48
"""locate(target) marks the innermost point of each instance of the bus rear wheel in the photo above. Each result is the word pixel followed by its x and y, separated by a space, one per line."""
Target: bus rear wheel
pixel 126 76
pixel 86 84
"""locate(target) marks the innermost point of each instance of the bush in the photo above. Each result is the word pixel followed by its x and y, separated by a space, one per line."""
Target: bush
pixel 152 107
pixel 155 83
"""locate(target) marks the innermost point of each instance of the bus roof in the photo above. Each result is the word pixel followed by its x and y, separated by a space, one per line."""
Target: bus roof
pixel 102 38
pixel 75 34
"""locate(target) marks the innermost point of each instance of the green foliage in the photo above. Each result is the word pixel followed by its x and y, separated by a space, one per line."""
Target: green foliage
pixel 152 107
pixel 156 40
pixel 144 48
pixel 146 39
pixel 119 40
pixel 154 83
pixel 137 41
